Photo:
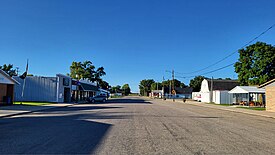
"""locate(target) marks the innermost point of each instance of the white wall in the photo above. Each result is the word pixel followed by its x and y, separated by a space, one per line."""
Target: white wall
pixel 205 97
pixel 204 86
pixel 222 97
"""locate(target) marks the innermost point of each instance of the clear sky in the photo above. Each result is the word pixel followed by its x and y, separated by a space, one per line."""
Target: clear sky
pixel 133 40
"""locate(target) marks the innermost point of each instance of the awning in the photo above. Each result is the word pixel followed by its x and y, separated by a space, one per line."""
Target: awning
pixel 88 87
pixel 246 90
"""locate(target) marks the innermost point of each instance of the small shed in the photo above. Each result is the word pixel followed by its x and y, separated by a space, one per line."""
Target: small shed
pixel 6 88
pixel 248 95
pixel 270 94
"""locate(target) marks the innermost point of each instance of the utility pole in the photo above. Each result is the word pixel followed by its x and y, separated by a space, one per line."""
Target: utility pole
pixel 162 87
pixel 211 92
pixel 173 82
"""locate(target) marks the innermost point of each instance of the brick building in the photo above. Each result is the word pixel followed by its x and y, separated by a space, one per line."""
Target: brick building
pixel 270 94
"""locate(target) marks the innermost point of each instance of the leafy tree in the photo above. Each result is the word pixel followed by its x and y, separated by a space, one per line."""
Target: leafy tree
pixel 256 64
pixel 196 83
pixel 116 89
pixel 156 86
pixel 86 70
pixel 145 86
pixel 126 89
pixel 9 69
pixel 104 85
pixel 177 83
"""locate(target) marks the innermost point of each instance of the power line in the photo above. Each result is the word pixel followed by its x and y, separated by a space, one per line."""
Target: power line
pixel 207 72
pixel 258 36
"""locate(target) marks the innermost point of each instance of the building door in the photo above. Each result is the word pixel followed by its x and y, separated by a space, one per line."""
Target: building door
pixel 67 95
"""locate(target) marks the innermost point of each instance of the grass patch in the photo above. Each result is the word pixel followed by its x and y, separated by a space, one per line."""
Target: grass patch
pixel 116 96
pixel 33 103
pixel 253 108
pixel 222 104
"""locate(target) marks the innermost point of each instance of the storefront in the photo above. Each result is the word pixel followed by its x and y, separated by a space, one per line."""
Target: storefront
pixel 6 88
pixel 82 90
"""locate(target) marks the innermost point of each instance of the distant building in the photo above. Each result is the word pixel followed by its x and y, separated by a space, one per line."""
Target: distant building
pixel 217 90
pixel 6 88
pixel 184 92
pixel 270 94
pixel 44 89
pixel 156 94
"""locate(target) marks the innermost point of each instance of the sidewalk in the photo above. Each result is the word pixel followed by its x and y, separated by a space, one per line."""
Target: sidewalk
pixel 13 110
pixel 228 108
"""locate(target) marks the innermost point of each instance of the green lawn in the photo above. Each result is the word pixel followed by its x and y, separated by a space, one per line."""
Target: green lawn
pixel 222 104
pixel 253 108
pixel 33 103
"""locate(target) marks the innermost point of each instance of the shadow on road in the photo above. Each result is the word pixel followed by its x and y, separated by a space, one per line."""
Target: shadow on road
pixel 128 101
pixel 46 133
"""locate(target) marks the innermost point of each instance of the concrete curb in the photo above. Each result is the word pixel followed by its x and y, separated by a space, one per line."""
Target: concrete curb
pixel 29 112
pixel 225 109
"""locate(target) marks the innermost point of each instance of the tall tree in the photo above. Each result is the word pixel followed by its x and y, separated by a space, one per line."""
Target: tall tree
pixel 116 89
pixel 145 86
pixel 176 81
pixel 256 64
pixel 104 85
pixel 9 69
pixel 86 70
pixel 156 86
pixel 126 89
pixel 196 83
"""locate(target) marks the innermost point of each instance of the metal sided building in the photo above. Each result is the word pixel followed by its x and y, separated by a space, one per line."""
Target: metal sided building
pixel 44 89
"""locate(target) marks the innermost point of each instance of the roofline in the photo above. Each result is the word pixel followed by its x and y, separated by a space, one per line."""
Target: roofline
pixel 7 76
pixel 268 82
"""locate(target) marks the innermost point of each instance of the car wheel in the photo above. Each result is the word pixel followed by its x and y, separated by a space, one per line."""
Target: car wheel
pixel 103 100
pixel 93 101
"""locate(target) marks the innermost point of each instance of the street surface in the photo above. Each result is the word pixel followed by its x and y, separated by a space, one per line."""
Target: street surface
pixel 134 125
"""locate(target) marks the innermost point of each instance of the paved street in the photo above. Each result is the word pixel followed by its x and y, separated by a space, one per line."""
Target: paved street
pixel 133 125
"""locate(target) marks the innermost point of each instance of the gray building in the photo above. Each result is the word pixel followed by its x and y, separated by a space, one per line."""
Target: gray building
pixel 44 89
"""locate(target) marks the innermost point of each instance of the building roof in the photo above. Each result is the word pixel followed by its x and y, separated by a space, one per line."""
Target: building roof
pixel 246 89
pixel 223 84
pixel 88 87
pixel 267 83
pixel 8 77
pixel 187 90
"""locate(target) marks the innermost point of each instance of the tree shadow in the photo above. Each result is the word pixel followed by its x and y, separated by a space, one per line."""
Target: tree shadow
pixel 46 133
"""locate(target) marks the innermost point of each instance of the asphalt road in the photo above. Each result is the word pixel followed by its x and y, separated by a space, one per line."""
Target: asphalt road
pixel 136 126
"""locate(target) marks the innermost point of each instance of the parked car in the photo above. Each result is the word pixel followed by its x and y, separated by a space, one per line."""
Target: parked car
pixel 99 98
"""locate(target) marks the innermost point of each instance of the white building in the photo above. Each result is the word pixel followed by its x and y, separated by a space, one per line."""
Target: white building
pixel 217 90
pixel 248 95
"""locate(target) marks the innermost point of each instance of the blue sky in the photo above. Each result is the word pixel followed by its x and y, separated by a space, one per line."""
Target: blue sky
pixel 133 40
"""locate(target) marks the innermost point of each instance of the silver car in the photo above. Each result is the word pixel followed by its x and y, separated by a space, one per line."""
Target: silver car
pixel 99 98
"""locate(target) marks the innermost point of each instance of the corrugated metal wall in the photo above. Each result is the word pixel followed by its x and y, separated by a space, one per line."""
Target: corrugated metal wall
pixel 42 89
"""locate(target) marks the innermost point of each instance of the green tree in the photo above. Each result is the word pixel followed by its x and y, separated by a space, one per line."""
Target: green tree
pixel 126 89
pixel 145 86
pixel 256 64
pixel 156 86
pixel 86 70
pixel 104 85
pixel 116 89
pixel 9 69
pixel 177 83
pixel 195 83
